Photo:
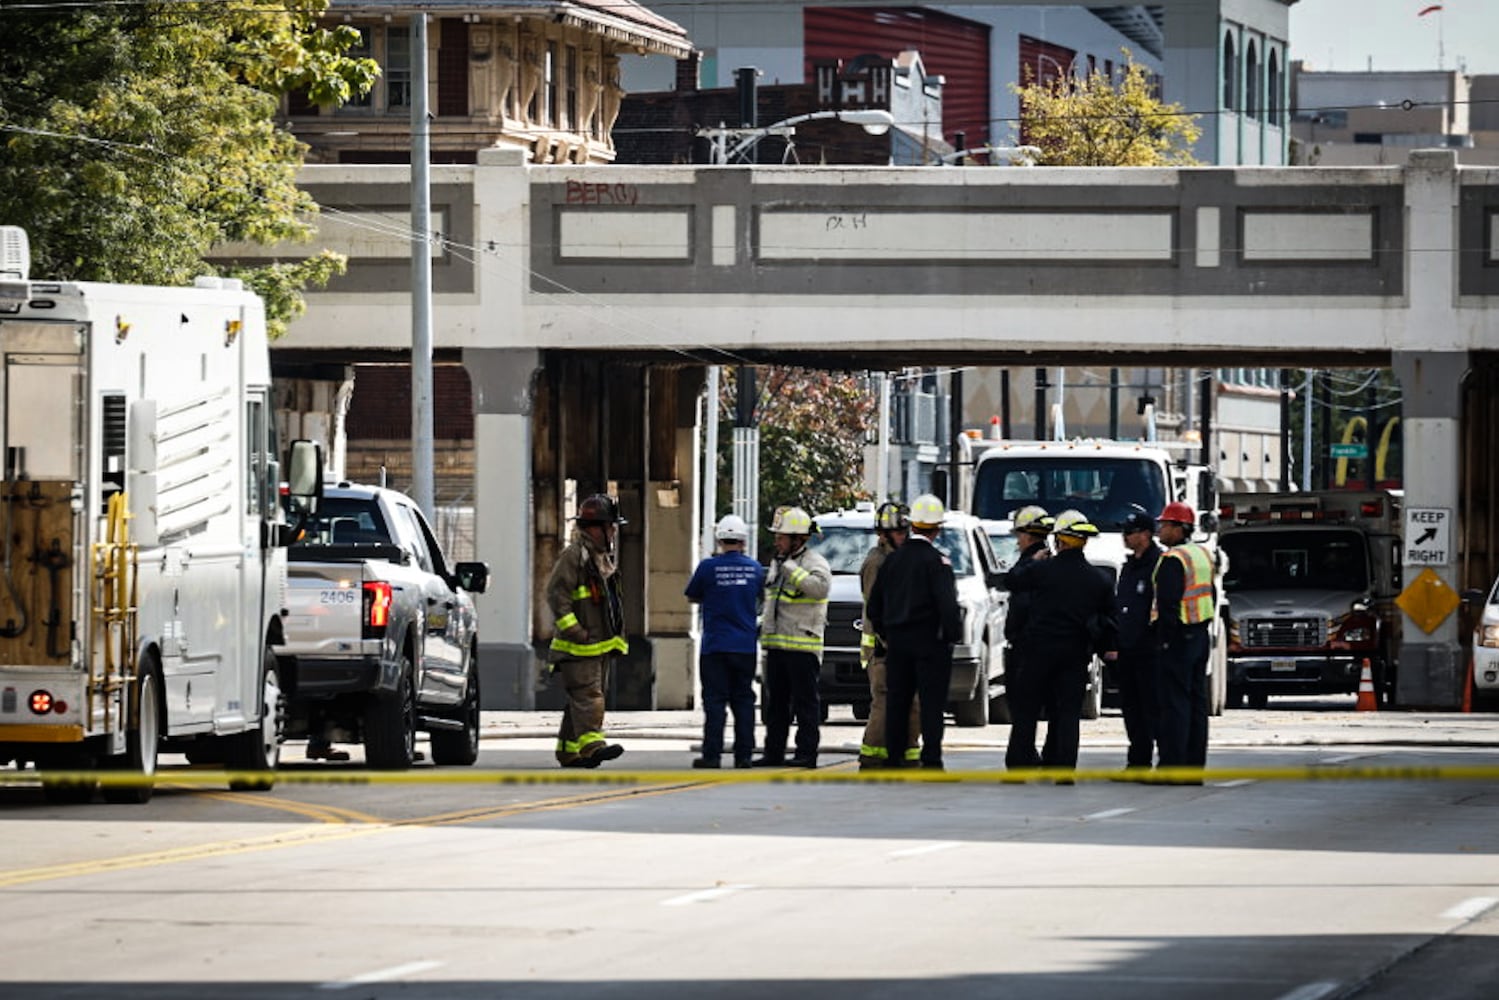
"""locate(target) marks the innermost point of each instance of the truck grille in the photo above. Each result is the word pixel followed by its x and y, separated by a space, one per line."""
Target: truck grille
pixel 841 630
pixel 1260 633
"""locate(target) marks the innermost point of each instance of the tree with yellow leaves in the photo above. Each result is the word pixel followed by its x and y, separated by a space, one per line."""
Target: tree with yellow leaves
pixel 1095 121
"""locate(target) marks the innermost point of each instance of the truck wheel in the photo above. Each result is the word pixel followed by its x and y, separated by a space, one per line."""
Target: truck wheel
pixel 252 755
pixel 974 713
pixel 461 748
pixel 135 772
pixel 390 725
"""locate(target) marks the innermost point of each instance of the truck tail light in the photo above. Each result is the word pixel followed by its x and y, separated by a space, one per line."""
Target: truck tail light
pixel 40 702
pixel 1371 508
pixel 377 601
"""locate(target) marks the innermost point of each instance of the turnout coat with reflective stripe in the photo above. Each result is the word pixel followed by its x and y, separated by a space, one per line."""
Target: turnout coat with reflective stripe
pixel 796 603
pixel 587 615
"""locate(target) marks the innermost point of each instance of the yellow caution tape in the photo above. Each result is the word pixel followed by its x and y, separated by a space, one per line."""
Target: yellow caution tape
pixel 834 774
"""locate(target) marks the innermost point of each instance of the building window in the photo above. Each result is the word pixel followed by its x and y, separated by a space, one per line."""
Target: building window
pixel 397 69
pixel 1251 80
pixel 1273 106
pixel 365 49
pixel 549 113
pixel 1230 73
pixel 572 90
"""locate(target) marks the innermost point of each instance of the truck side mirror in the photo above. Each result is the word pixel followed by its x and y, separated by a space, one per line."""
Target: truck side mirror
pixel 1208 521
pixel 304 475
pixel 473 576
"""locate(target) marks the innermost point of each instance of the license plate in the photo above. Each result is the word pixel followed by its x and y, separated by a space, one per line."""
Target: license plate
pixel 1283 666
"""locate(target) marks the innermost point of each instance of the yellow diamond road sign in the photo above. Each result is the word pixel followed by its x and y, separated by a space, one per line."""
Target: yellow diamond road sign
pixel 1428 600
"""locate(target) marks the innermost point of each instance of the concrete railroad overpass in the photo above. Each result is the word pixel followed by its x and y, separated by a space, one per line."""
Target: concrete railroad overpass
pixel 586 301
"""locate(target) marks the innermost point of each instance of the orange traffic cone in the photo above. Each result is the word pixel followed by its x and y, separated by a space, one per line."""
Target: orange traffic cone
pixel 1367 701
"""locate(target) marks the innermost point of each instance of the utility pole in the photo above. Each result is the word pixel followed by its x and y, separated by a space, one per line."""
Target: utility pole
pixel 422 490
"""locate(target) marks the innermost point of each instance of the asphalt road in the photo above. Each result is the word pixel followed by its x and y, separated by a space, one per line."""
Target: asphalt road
pixel 1279 878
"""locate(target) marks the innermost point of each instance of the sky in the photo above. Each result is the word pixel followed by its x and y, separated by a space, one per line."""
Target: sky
pixel 1345 34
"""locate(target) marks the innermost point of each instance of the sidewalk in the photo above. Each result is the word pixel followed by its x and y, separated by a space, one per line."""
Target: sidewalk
pixel 1330 727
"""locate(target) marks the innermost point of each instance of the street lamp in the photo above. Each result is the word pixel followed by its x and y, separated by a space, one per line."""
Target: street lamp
pixel 875 121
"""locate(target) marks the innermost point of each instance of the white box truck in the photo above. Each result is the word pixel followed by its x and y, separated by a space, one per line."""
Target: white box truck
pixel 142 563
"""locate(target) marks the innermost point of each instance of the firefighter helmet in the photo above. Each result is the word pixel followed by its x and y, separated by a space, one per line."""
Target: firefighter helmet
pixel 732 529
pixel 1033 520
pixel 1074 524
pixel 892 516
pixel 1178 513
pixel 927 512
pixel 599 509
pixel 790 521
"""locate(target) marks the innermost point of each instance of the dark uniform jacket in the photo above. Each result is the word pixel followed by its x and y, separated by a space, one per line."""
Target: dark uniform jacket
pixel 916 595
pixel 1073 602
pixel 1133 597
pixel 1019 611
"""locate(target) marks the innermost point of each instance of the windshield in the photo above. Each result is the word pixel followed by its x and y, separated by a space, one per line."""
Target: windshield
pixel 1006 547
pixel 1105 490
pixel 1296 560
pixel 345 521
pixel 845 546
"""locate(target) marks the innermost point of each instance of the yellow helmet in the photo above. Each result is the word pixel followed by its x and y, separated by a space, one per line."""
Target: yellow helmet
pixel 1033 520
pixel 927 511
pixel 790 521
pixel 1074 524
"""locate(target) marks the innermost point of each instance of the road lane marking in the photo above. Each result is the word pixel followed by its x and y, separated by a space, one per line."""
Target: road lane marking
pixel 1309 991
pixel 1109 813
pixel 1468 909
pixel 321 813
pixel 381 975
pixel 911 852
pixel 1343 758
pixel 1236 783
pixel 329 830
pixel 705 895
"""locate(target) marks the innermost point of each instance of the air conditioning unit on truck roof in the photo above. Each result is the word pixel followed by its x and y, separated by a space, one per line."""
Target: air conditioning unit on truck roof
pixel 142 564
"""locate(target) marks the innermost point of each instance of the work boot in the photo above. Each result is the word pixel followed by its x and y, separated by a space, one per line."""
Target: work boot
pixel 609 751
pixel 323 750
pixel 803 760
pixel 743 763
pixel 709 763
pixel 768 761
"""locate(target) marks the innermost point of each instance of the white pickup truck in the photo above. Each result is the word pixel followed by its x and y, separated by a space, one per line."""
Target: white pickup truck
pixel 381 637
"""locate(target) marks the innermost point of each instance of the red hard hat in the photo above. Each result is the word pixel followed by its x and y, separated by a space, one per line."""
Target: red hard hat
pixel 1178 512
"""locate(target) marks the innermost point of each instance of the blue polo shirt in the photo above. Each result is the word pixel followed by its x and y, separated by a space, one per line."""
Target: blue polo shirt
pixel 727 586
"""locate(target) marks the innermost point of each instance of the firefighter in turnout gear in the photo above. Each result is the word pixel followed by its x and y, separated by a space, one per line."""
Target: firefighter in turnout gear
pixel 1184 608
pixel 892 523
pixel 583 593
pixel 1071 618
pixel 791 630
pixel 914 606
pixel 1032 525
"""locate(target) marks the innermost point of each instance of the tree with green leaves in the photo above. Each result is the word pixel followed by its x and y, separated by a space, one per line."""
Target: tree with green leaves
pixel 813 427
pixel 136 137
pixel 1096 121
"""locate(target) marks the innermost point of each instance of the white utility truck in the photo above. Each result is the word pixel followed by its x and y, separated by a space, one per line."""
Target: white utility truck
pixel 143 563
pixel 1105 480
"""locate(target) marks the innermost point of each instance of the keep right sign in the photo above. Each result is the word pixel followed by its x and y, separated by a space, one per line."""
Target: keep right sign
pixel 1428 536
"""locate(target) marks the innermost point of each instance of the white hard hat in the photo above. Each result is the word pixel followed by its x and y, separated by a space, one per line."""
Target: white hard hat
pixel 1033 520
pixel 927 511
pixel 791 521
pixel 732 529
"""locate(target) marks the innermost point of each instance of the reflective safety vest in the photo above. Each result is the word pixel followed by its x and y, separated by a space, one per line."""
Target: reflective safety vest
pixel 1197 582
pixel 796 604
pixel 588 616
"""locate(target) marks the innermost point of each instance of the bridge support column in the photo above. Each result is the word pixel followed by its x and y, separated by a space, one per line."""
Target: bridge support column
pixel 1431 668
pixel 503 512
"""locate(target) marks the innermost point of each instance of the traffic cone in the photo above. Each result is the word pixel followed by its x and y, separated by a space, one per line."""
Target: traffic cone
pixel 1367 701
